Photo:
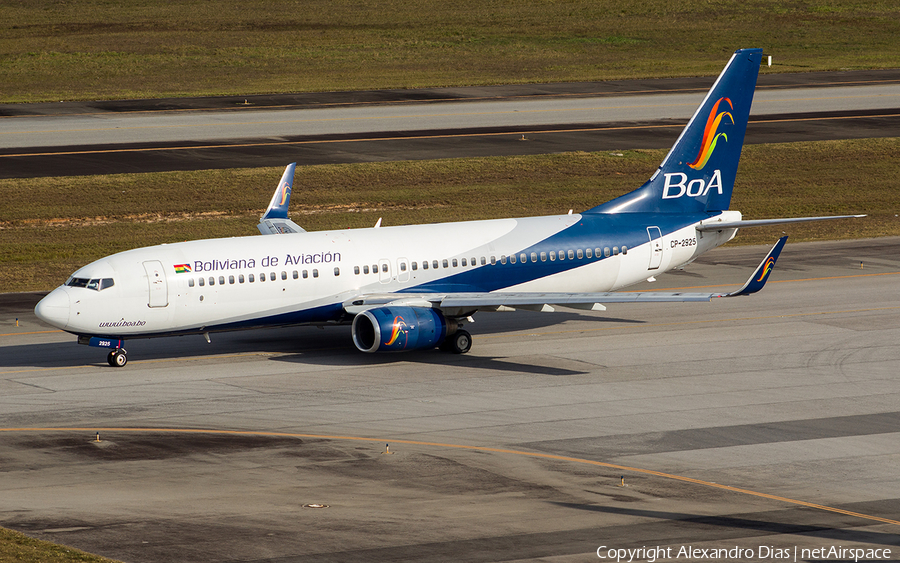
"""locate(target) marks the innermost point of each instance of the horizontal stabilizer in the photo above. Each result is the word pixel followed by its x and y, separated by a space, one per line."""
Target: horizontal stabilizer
pixel 718 226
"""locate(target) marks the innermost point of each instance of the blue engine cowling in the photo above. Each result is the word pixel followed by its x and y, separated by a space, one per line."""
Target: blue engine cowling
pixel 398 329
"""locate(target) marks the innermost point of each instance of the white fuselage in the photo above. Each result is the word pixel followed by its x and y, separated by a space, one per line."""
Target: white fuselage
pixel 222 284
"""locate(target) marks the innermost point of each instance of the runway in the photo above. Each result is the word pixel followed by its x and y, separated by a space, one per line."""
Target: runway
pixel 141 136
pixel 766 422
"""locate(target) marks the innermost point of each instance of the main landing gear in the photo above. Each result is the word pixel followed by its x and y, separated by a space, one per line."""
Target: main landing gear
pixel 459 342
pixel 117 358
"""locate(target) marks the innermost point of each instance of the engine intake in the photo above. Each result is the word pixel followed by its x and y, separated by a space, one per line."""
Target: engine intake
pixel 398 329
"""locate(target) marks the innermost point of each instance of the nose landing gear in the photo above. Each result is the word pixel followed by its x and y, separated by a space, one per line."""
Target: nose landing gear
pixel 117 358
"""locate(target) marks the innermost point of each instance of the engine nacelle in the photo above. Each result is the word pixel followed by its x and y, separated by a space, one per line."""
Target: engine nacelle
pixel 398 329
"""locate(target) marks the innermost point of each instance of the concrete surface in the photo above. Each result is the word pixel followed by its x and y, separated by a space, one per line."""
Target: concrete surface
pixel 792 393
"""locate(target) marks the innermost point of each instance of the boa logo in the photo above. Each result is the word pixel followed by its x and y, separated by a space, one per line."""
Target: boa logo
pixel 711 134
pixel 400 328
pixel 677 185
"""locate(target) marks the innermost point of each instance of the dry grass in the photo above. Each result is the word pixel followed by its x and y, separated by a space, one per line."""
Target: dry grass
pixel 51 226
pixel 94 49
pixel 19 548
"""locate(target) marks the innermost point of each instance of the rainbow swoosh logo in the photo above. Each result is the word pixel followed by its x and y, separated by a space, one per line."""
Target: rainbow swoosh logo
pixel 767 268
pixel 710 135
pixel 400 327
pixel 285 192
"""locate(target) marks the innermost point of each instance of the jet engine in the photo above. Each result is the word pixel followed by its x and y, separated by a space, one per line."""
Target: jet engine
pixel 398 329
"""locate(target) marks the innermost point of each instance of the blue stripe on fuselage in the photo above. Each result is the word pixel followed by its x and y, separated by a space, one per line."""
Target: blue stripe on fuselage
pixel 592 231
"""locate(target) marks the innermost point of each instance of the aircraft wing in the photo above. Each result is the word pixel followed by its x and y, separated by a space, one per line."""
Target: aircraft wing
pixel 463 304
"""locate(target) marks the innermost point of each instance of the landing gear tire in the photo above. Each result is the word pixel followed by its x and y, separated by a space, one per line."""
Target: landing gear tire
pixel 459 342
pixel 117 358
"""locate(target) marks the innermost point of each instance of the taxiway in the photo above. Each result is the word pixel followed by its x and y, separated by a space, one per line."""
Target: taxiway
pixel 764 421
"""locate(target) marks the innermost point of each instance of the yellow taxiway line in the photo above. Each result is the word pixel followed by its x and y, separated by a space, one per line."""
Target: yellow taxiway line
pixel 473 448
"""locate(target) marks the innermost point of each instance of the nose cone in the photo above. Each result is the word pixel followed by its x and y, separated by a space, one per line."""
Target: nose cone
pixel 54 308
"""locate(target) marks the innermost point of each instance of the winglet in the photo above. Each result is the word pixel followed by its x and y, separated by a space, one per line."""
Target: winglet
pixel 274 221
pixel 282 197
pixel 761 275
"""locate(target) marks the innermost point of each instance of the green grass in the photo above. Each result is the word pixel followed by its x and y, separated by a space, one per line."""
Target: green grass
pixel 49 227
pixel 96 49
pixel 19 548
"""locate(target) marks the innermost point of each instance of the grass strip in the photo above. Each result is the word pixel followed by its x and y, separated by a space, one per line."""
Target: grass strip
pixel 49 227
pixel 95 49
pixel 16 547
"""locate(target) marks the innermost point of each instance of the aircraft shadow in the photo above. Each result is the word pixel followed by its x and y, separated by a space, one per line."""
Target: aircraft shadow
pixel 332 345
pixel 763 526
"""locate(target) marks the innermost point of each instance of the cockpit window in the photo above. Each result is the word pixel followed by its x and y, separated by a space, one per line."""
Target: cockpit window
pixel 95 284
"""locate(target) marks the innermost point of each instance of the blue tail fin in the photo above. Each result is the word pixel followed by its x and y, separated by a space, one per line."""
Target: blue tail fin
pixel 698 173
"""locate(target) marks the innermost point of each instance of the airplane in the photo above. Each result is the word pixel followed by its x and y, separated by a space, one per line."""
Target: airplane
pixel 414 287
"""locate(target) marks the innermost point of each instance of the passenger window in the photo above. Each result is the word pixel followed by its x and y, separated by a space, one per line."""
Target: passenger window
pixel 365 270
pixel 251 278
pixel 579 253
pixel 415 266
pixel 355 270
pixel 212 280
pixel 262 277
pixel 283 275
pixel 434 264
pixel 455 263
pixel 597 252
pixel 552 256
pixel 464 263
pixel 483 261
pixel 241 278
pixel 191 282
pixel 534 256
pixel 588 253
pixel 474 261
pixel 493 260
pixel 523 258
pixel 271 276
pixel 296 274
pixel 624 250
pixel 503 259
pixel 615 251
pixel 512 258
pixel 543 256
pixel 384 267
pixel 231 279
pixel 402 266
pixel 337 271
pixel 201 282
pixel 305 274
pixel 424 264
pixel 571 255
pixel 606 252
pixel 315 273
pixel 221 280
pixel 374 268
pixel 562 255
